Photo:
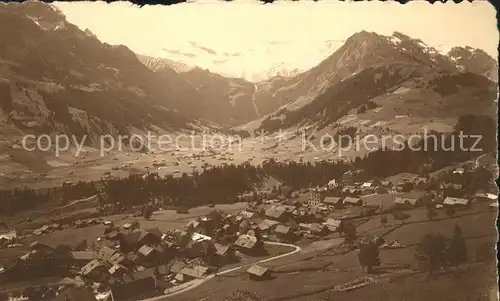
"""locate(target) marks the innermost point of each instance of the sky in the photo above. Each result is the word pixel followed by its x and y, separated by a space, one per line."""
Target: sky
pixel 246 38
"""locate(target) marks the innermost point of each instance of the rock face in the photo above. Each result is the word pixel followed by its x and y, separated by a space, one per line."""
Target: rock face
pixel 56 78
pixel 369 65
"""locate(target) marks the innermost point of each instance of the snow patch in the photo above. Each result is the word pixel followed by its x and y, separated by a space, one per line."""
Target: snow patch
pixel 395 40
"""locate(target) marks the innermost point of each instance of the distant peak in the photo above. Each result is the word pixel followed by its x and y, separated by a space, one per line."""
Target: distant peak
pixel 401 36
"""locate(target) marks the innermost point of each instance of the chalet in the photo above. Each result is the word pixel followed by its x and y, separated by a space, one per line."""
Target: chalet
pixel 386 183
pixel 483 196
pixel 105 253
pixel 194 272
pixel 134 288
pixel 117 258
pixel 268 225
pixel 278 213
pixel 318 229
pixel 194 225
pixel 332 201
pixel 314 228
pixel 244 226
pixel 246 214
pixel 197 237
pixel 332 224
pixel 257 272
pixel 352 201
pixel 176 267
pixel 403 202
pixel 179 278
pixel 199 248
pixel 284 233
pixel 366 185
pixel 332 184
pixel 348 177
pixel 248 244
pixel 8 235
pixel 162 270
pixel 146 251
pixel 113 235
pixel 224 254
pixel 95 271
pixel 41 248
pixel 450 201
pixel 137 238
pixel 117 270
pixel 75 294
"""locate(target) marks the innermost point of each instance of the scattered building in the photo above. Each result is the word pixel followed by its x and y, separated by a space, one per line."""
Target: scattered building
pixel 332 224
pixel 247 244
pixel 75 294
pixel 352 201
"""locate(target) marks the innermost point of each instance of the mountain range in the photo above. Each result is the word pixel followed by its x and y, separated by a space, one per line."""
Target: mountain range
pixel 55 77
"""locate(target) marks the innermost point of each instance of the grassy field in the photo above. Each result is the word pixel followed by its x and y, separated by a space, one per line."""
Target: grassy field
pixel 309 276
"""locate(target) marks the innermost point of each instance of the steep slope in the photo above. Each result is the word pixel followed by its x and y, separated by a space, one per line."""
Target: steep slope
pixel 227 101
pixel 474 60
pixel 57 78
pixel 368 65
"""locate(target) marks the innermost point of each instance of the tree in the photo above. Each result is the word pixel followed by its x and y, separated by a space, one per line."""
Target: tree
pixel 450 211
pixel 431 213
pixel 369 256
pixel 147 212
pixel 383 221
pixel 457 250
pixel 431 253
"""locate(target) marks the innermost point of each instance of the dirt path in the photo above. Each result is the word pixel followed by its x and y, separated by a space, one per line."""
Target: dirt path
pixel 197 282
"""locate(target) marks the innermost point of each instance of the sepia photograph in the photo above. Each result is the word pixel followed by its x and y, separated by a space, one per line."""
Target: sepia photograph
pixel 248 150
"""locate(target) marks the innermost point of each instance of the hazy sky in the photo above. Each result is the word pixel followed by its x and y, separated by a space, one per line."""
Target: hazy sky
pixel 241 32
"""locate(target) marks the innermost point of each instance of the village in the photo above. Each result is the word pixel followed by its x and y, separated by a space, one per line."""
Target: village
pixel 130 262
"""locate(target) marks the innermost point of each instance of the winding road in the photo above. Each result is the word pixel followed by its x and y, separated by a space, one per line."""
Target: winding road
pixel 197 282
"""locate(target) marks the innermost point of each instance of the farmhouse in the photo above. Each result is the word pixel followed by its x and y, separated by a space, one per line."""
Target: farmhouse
pixel 94 270
pixel 267 225
pixel 246 214
pixel 284 233
pixel 483 196
pixel 332 224
pixel 81 258
pixel 278 213
pixel 75 294
pixel 257 272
